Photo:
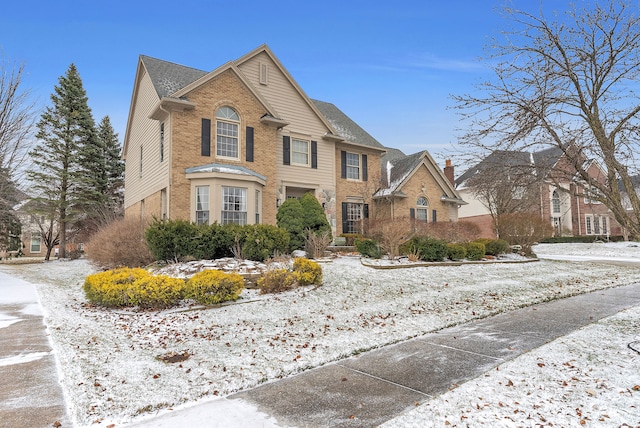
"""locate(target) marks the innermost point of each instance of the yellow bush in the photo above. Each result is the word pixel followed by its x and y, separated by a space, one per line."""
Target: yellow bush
pixel 307 272
pixel 133 287
pixel 156 291
pixel 213 286
pixel 110 288
pixel 277 280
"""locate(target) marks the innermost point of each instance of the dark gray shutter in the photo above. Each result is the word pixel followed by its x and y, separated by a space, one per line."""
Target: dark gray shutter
pixel 365 175
pixel 205 149
pixel 434 216
pixel 314 154
pixel 412 213
pixel 345 221
pixel 343 164
pixel 365 210
pixel 249 143
pixel 286 150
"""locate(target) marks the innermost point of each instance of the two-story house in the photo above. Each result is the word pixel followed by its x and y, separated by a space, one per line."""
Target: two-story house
pixel 544 182
pixel 230 145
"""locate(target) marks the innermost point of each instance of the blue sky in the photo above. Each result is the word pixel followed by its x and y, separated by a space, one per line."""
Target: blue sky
pixel 390 66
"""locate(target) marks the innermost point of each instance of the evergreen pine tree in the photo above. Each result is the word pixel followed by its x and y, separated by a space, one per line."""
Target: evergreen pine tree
pixel 315 219
pixel 66 131
pixel 114 166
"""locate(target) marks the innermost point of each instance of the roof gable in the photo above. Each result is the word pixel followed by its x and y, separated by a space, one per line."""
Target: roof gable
pixel 168 77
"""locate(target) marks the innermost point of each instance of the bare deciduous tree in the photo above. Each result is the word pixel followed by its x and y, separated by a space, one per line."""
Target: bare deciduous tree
pixel 570 84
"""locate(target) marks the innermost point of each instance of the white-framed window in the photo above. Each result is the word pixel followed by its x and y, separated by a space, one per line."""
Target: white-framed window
pixel 36 244
pixel 162 142
pixel 227 140
pixel 353 166
pixel 234 205
pixel 596 224
pixel 555 202
pixel 202 205
pixel 422 208
pixel 299 151
pixel 589 193
pixel 354 217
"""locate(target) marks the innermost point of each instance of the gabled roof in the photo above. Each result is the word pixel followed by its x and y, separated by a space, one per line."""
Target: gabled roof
pixel 543 161
pixel 345 127
pixel 397 170
pixel 168 77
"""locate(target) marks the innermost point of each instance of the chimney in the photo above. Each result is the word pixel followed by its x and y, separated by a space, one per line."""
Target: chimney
pixel 448 172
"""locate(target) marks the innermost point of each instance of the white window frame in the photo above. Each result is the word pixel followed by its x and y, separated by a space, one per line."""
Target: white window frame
pixel 300 149
pixel 36 244
pixel 202 205
pixel 234 205
pixel 556 202
pixel 592 191
pixel 353 166
pixel 588 221
pixel 355 214
pixel 227 133
pixel 422 209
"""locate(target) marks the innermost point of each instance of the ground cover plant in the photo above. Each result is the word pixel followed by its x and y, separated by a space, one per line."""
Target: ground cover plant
pixel 242 345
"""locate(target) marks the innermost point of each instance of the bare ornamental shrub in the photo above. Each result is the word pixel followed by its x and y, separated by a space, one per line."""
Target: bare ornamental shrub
pixel 390 234
pixel 316 243
pixel 121 243
pixel 459 231
pixel 523 229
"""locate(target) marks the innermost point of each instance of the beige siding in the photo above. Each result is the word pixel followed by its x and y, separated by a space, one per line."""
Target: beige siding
pixel 145 133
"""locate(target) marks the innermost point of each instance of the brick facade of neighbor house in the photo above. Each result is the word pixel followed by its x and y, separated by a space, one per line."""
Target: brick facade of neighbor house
pixel 560 197
pixel 232 144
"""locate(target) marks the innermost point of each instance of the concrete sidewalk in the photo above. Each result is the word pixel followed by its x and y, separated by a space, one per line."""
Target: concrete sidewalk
pixel 30 393
pixel 369 389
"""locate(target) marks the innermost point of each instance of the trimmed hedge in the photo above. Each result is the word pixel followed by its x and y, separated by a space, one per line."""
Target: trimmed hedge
pixel 368 248
pixel 456 251
pixel 176 240
pixel 428 249
pixel 475 251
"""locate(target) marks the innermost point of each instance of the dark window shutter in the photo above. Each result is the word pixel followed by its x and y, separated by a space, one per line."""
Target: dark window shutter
pixel 365 210
pixel 365 175
pixel 314 154
pixel 286 150
pixel 345 222
pixel 343 164
pixel 206 137
pixel 412 213
pixel 249 143
pixel 434 216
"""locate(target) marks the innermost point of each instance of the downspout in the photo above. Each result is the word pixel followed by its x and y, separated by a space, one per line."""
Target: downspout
pixel 169 160
pixel 579 216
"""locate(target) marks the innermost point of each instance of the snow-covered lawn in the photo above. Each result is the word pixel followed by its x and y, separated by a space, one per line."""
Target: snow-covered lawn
pixel 110 359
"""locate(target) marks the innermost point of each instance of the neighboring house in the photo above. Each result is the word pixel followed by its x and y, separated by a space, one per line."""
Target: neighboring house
pixel 543 182
pixel 413 186
pixel 230 145
pixel 30 237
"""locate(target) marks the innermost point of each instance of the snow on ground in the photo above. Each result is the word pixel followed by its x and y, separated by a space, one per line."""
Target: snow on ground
pixel 113 374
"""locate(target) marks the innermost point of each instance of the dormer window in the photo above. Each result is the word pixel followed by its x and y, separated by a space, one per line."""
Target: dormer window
pixel 227 125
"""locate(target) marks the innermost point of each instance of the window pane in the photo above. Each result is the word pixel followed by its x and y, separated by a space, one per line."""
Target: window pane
pixel 300 151
pixel 202 204
pixel 227 113
pixel 234 205
pixel 227 139
pixel 421 214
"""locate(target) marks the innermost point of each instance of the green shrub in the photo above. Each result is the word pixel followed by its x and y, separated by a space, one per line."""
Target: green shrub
pixel 315 218
pixel 209 287
pixel 262 241
pixel 456 251
pixel 133 287
pixel 495 247
pixel 277 280
pixel 427 249
pixel 307 272
pixel 368 248
pixel 475 251
pixel 214 241
pixel 172 240
pixel 290 217
pixel 351 238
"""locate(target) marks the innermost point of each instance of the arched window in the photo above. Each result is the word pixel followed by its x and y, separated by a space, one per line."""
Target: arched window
pixel 555 202
pixel 422 208
pixel 227 124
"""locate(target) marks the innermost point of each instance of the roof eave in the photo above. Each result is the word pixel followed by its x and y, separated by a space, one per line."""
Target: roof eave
pixel 273 121
pixel 170 104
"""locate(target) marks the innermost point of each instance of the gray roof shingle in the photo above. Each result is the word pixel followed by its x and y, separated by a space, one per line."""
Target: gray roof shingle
pixel 168 77
pixel 345 127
